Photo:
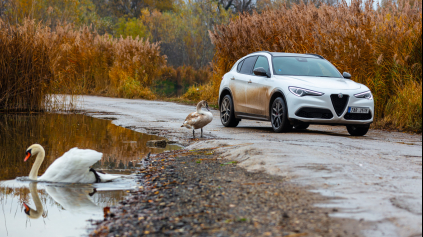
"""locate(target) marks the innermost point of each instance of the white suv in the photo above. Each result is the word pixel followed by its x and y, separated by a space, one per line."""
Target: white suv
pixel 294 91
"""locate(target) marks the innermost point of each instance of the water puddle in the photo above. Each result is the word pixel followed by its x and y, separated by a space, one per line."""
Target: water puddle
pixel 56 210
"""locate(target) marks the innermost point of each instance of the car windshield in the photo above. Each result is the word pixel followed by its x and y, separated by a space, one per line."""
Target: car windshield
pixel 299 66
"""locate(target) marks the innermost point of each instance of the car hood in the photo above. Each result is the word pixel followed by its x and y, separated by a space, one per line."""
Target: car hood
pixel 326 83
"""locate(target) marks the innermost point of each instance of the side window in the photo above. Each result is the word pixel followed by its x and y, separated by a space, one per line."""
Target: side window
pixel 247 66
pixel 240 65
pixel 262 62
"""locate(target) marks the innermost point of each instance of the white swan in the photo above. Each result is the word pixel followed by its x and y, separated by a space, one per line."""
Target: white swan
pixel 72 167
pixel 198 119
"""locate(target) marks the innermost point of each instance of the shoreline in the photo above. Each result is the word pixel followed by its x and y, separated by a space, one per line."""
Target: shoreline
pixel 197 193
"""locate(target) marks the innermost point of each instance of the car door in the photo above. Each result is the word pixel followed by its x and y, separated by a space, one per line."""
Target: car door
pixel 257 90
pixel 239 82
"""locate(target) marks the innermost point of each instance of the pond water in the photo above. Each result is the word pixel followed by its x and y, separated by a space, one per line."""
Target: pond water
pixel 63 209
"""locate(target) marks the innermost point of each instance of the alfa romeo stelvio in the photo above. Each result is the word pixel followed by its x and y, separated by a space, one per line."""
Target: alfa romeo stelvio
pixel 293 91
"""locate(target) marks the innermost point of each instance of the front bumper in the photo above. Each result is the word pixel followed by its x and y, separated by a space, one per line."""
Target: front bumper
pixel 324 103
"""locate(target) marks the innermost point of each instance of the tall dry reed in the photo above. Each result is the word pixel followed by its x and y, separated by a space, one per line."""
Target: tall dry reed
pixel 25 73
pixel 36 61
pixel 380 48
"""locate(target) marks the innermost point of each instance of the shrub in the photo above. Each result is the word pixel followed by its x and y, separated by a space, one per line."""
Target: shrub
pixel 201 92
pixel 404 111
pixel 186 74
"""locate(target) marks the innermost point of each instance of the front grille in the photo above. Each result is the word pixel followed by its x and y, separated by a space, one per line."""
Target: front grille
pixel 314 113
pixel 340 104
pixel 358 116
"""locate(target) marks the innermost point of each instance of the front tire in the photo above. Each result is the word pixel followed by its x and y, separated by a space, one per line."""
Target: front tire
pixel 358 131
pixel 227 112
pixel 279 116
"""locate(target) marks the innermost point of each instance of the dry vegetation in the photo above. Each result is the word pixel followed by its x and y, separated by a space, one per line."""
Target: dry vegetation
pixel 381 48
pixel 34 61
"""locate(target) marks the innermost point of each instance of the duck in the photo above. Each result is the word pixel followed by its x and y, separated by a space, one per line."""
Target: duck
pixel 72 167
pixel 199 119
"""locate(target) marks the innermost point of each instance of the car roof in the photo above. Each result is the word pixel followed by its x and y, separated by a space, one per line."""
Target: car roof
pixel 277 54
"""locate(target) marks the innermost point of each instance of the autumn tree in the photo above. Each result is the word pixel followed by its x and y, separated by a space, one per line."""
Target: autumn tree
pixel 183 33
pixel 130 8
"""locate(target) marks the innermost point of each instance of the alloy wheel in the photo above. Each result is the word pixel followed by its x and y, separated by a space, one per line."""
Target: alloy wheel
pixel 277 114
pixel 225 110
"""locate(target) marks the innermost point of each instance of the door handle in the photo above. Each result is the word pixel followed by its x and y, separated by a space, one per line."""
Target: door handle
pixel 249 82
pixel 233 78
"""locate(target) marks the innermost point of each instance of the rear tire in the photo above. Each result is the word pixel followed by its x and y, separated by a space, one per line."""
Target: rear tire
pixel 301 126
pixel 227 112
pixel 279 116
pixel 358 131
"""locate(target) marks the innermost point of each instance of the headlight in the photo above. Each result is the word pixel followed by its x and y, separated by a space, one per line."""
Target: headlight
pixel 304 92
pixel 365 95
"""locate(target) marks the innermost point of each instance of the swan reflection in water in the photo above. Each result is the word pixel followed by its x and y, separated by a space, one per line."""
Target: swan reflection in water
pixel 74 200
pixel 52 208
pixel 39 209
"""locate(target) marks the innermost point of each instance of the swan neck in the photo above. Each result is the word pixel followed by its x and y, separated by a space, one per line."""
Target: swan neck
pixel 38 161
pixel 199 106
pixel 35 214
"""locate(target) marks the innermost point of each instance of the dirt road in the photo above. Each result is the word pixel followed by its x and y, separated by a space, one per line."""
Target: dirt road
pixel 376 179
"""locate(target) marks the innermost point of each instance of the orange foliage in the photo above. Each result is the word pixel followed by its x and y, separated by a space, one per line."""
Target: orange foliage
pixel 186 74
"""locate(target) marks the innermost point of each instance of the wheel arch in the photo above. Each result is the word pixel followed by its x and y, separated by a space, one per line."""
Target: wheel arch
pixel 226 91
pixel 275 94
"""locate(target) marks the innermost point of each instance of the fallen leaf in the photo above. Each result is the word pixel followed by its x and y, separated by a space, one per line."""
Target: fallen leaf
pixel 106 211
pixel 297 235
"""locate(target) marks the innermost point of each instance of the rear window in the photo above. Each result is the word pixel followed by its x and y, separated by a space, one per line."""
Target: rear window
pixel 298 66
pixel 247 66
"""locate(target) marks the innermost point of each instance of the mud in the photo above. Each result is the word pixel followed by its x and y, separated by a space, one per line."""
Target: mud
pixel 196 193
pixel 376 179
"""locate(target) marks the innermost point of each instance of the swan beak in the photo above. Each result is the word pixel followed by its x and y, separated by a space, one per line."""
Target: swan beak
pixel 27 209
pixel 28 155
pixel 208 108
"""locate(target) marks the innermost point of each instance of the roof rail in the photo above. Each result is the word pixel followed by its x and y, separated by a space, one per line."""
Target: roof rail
pixel 263 52
pixel 315 55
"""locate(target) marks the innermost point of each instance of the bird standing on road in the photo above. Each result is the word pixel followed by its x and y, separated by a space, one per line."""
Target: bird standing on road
pixel 199 119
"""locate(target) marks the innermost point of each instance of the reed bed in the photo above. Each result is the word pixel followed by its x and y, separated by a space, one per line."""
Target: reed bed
pixel 36 61
pixel 381 48
pixel 25 73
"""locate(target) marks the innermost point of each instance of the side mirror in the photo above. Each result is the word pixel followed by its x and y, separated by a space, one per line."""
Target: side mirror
pixel 261 72
pixel 346 75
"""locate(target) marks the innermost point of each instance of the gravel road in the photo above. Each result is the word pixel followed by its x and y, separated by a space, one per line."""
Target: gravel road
pixel 375 179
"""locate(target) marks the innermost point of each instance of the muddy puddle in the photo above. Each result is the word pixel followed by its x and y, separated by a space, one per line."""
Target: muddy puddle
pixel 48 209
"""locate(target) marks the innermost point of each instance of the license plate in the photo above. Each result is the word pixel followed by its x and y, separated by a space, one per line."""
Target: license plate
pixel 358 110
